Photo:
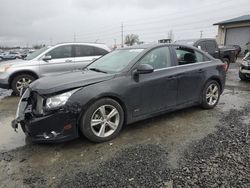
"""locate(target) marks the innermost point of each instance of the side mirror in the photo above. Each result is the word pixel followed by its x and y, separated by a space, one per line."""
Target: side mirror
pixel 47 58
pixel 144 69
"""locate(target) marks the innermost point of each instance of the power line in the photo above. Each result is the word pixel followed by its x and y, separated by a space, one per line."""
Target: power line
pixel 198 9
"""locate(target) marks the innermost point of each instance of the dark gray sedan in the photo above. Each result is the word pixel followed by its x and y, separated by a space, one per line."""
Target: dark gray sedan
pixel 124 86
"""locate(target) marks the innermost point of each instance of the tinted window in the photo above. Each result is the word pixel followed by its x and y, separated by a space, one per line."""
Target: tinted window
pixel 99 51
pixel 203 46
pixel 200 57
pixel 188 56
pixel 83 51
pixel 158 58
pixel 61 52
pixel 210 46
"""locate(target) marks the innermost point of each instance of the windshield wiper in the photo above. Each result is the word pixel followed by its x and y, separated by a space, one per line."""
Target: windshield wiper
pixel 97 70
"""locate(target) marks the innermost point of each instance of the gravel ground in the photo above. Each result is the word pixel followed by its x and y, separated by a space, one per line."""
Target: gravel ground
pixel 221 159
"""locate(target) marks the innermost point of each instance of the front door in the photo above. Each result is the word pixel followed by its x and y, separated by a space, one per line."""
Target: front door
pixel 155 91
pixel 62 61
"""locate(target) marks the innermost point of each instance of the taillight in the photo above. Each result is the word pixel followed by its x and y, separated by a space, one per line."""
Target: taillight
pixel 224 65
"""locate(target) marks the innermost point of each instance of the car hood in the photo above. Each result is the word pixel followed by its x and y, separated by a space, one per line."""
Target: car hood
pixel 53 84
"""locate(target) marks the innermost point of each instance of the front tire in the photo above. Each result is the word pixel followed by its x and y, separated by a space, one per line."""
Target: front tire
pixel 211 94
pixel 103 120
pixel 20 81
pixel 242 76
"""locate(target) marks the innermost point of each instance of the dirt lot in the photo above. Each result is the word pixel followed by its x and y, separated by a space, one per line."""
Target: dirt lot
pixel 187 148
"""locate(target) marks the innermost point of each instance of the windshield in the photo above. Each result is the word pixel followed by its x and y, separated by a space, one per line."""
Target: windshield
pixel 36 53
pixel 115 61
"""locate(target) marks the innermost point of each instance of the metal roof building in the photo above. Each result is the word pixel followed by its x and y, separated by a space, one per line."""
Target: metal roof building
pixel 235 31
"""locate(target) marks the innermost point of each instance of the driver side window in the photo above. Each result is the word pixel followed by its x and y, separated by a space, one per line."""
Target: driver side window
pixel 158 58
pixel 61 52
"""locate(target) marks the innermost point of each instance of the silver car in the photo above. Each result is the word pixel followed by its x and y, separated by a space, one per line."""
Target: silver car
pixel 48 61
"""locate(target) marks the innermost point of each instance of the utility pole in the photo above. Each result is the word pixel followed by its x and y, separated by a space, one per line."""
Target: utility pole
pixel 74 37
pixel 122 35
pixel 201 33
pixel 115 46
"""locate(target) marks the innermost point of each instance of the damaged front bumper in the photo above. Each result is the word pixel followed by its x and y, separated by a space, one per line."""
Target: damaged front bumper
pixel 58 126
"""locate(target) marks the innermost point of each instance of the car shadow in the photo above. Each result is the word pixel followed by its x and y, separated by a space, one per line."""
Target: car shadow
pixel 131 128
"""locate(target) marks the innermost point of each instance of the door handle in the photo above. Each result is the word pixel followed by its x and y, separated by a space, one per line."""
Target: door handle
pixel 169 77
pixel 178 75
pixel 68 61
pixel 200 71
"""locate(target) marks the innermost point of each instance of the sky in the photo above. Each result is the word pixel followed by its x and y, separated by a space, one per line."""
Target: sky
pixel 31 22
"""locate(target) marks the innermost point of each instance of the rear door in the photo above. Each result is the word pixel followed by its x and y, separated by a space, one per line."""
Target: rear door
pixel 85 54
pixel 155 91
pixel 62 61
pixel 190 73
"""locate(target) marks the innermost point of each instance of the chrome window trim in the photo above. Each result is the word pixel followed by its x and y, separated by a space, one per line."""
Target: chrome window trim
pixel 182 65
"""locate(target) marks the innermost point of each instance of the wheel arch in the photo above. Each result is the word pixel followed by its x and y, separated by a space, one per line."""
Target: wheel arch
pixel 226 57
pixel 217 79
pixel 111 96
pixel 32 73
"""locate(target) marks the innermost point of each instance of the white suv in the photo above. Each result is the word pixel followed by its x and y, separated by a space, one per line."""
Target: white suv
pixel 48 61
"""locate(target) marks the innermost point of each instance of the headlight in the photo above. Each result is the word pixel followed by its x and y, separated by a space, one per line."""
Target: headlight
pixel 4 68
pixel 245 63
pixel 59 100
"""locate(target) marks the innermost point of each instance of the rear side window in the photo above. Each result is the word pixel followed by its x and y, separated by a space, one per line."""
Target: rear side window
pixel 61 52
pixel 188 56
pixel 201 57
pixel 83 51
pixel 158 58
pixel 99 51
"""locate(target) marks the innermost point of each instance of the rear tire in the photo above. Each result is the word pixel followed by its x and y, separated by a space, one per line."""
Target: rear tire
pixel 20 81
pixel 211 94
pixel 102 121
pixel 226 61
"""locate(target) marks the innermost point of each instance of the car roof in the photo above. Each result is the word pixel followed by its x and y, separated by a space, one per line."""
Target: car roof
pixel 100 45
pixel 192 41
pixel 151 46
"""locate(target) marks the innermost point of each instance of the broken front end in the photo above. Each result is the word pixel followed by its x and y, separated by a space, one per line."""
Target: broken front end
pixel 44 124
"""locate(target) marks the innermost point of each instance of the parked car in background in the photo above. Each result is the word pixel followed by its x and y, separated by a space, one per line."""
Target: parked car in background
pixel 248 48
pixel 244 72
pixel 48 61
pixel 225 54
pixel 10 56
pixel 237 49
pixel 124 86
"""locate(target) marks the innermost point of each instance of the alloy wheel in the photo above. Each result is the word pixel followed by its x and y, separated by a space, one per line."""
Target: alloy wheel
pixel 105 121
pixel 212 94
pixel 23 82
